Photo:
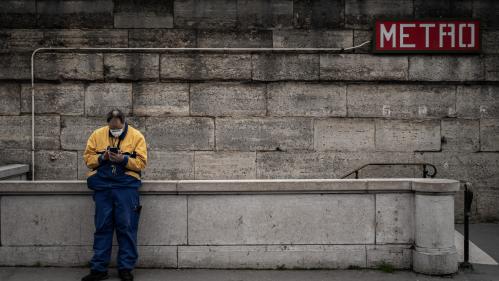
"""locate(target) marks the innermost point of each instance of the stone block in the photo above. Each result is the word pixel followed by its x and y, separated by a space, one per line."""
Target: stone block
pixel 273 67
pixel 19 39
pixel 281 219
pixel 206 66
pixel 75 14
pixel 100 98
pixel 443 9
pixel 56 165
pixel 401 101
pixel 362 67
pixel 445 68
pixel 322 14
pixel 144 14
pixel 477 101
pixel 492 68
pixel 18 14
pixel 64 99
pixel 486 11
pixel 264 133
pixel 169 165
pixel 218 14
pixel 362 14
pixel 74 38
pixel 161 38
pixel 15 156
pixel 460 135
pixel 10 95
pixel 227 99
pixel 225 165
pixel 398 256
pixel 360 36
pixel 15 66
pixel 490 41
pixel 486 204
pixel 346 162
pixel 160 99
pixel 15 132
pixel 344 134
pixel 273 256
pixel 234 39
pixel 395 218
pixel 295 165
pixel 69 66
pixel 180 133
pixel 131 66
pixel 293 38
pixel 401 135
pixel 261 14
pixel 489 134
pixel 306 99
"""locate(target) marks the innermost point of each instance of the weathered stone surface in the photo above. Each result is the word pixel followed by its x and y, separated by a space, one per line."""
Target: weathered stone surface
pixel 306 99
pixel 76 130
pixel 261 14
pixel 180 133
pixel 82 168
pixel 478 168
pixel 273 256
pixel 169 165
pixel 162 38
pixel 86 38
pixel 400 135
pixel 100 98
pixel 15 132
pixel 10 95
pixel 131 66
pixel 477 101
pixel 15 156
pixel 225 165
pixel 360 13
pixel 344 134
pixel 75 14
pixel 486 11
pixel 489 134
pixel 272 67
pixel 445 68
pixel 401 101
pixel 295 165
pixel 362 67
pixel 15 66
pixel 144 14
pixel 68 66
pixel 160 99
pixel 313 38
pixel 398 256
pixel 264 133
pixel 19 39
pixel 206 66
pixel 64 99
pixel 486 204
pixel 55 165
pixel 361 36
pixel 210 14
pixel 395 218
pixel 322 14
pixel 234 39
pixel 443 9
pixel 18 14
pixel 492 68
pixel 281 219
pixel 227 99
pixel 490 41
pixel 460 135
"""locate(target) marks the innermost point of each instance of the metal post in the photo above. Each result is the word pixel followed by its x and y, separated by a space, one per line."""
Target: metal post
pixel 468 199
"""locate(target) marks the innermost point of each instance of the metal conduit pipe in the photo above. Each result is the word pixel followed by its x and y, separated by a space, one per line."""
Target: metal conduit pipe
pixel 111 49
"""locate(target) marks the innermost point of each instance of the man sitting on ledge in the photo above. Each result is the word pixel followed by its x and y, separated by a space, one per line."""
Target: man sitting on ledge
pixel 116 153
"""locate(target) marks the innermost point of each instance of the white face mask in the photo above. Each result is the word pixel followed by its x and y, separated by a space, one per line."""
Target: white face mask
pixel 116 132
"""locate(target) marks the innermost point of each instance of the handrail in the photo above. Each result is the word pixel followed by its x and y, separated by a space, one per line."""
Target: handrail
pixel 426 173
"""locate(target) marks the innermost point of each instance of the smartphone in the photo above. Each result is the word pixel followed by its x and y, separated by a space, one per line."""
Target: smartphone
pixel 113 149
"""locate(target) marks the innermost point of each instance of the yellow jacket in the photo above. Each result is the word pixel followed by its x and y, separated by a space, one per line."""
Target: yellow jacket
pixel 132 144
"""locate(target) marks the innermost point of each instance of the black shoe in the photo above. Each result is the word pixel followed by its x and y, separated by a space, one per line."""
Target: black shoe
pixel 125 275
pixel 95 276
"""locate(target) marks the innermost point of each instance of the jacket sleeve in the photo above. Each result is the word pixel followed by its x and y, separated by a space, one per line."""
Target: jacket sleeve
pixel 140 161
pixel 90 155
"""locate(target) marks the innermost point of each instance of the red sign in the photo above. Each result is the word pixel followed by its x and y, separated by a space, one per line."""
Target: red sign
pixel 442 36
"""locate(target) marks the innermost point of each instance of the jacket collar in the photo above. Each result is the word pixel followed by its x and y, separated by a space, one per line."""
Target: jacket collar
pixel 123 135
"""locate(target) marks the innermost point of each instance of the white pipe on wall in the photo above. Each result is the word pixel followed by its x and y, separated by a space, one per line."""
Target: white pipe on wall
pixel 111 49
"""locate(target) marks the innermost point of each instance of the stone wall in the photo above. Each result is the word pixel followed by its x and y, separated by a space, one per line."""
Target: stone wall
pixel 252 115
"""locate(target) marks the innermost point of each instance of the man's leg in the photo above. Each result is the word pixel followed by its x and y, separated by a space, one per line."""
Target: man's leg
pixel 104 227
pixel 126 217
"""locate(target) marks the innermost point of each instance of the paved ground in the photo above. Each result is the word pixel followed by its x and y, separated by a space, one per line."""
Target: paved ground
pixel 485 236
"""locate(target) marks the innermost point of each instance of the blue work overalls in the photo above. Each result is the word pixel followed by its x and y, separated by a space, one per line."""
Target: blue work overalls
pixel 117 206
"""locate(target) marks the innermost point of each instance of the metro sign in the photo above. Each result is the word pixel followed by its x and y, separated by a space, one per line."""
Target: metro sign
pixel 434 36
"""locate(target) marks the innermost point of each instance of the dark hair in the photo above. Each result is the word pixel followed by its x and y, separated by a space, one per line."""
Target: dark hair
pixel 115 113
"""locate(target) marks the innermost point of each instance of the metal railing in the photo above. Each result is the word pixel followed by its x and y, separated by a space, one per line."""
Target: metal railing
pixel 426 172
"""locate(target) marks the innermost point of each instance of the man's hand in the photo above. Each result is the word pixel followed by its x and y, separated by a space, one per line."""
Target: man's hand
pixel 116 157
pixel 106 155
